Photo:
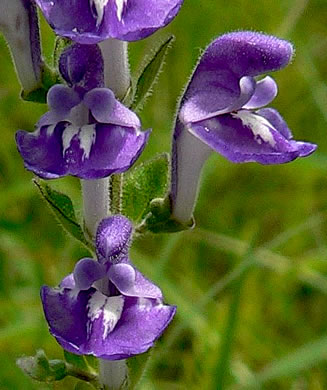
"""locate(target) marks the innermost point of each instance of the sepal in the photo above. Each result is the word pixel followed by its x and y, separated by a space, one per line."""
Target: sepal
pixel 160 220
pixel 60 45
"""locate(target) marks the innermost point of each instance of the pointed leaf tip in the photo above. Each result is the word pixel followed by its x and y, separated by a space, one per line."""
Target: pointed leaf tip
pixel 150 73
pixel 63 209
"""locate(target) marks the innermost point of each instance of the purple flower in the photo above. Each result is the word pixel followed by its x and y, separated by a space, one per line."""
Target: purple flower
pixel 87 132
pixel 91 21
pixel 108 308
pixel 221 110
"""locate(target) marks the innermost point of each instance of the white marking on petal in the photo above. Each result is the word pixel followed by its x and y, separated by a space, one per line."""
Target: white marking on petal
pixel 144 304
pixel 112 313
pixel 50 130
pixel 122 132
pixel 73 293
pixel 120 4
pixel 67 136
pixel 259 126
pixel 99 8
pixel 87 137
pixel 110 307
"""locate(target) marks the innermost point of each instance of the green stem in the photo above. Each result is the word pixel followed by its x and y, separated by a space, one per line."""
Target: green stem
pixel 116 188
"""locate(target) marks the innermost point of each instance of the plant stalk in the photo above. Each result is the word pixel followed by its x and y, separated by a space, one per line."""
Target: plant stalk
pixel 96 193
pixel 113 374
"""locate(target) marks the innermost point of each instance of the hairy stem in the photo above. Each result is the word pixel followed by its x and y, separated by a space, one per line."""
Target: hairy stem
pixel 116 66
pixel 96 195
pixel 95 203
pixel 113 374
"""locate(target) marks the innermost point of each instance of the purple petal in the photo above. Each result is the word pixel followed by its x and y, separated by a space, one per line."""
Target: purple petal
pixel 106 109
pixel 42 150
pixel 66 315
pixel 112 237
pixel 245 137
pixel 69 19
pixel 245 53
pixel 274 117
pixel 225 62
pixel 139 18
pixel 140 325
pixel 87 21
pixel 68 282
pixel 277 121
pixel 130 282
pixel 215 99
pixel 303 148
pixel 82 65
pixel 89 152
pixel 265 92
pixel 81 323
pixel 86 272
pixel 108 327
pixel 61 100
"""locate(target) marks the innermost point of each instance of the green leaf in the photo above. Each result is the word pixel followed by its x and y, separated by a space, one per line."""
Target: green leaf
pixel 136 369
pixel 144 183
pixel 92 361
pixel 63 209
pixel 82 362
pixel 149 74
pixel 83 386
pixel 78 361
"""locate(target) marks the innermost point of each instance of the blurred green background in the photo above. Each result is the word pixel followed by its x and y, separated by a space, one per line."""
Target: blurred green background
pixel 247 318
